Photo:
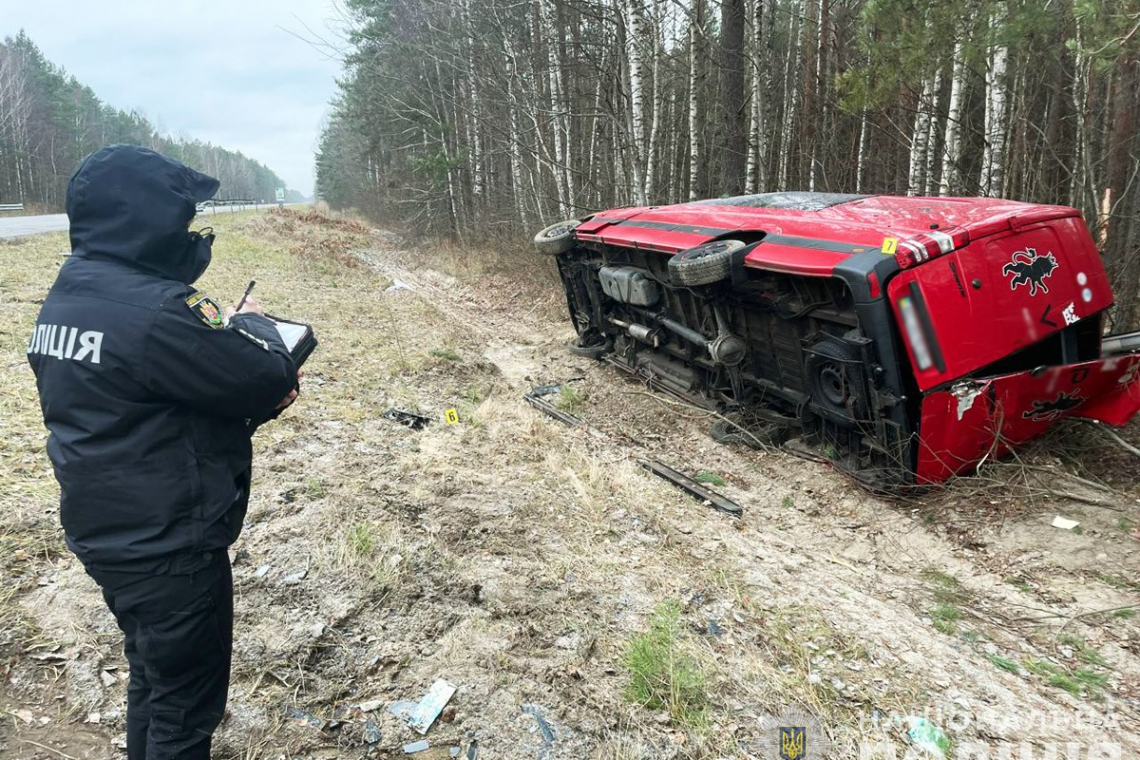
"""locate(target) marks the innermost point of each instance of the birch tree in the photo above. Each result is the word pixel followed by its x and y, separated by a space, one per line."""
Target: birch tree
pixel 993 158
pixel 952 141
pixel 555 108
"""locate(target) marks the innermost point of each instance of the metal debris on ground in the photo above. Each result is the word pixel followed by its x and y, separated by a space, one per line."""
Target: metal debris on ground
pixel 371 732
pixel 408 419
pixel 546 390
pixel 535 399
pixel 421 715
pixel 692 487
pixel 306 718
pixel 547 732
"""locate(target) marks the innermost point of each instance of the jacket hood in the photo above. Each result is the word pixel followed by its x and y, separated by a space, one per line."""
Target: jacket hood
pixel 130 204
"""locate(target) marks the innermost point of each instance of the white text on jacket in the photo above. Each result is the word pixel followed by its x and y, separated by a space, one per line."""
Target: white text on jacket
pixel 65 342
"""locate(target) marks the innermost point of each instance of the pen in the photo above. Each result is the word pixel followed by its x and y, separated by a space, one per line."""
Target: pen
pixel 245 295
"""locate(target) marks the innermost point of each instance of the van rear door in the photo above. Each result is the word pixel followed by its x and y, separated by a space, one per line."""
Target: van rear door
pixel 996 296
pixel 1003 336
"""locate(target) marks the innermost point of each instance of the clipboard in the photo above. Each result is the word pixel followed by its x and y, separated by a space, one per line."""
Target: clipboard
pixel 297 336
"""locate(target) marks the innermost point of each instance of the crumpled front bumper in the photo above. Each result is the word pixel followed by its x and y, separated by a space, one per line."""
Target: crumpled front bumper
pixel 974 419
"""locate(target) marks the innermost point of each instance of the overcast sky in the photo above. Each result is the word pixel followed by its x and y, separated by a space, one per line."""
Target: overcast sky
pixel 228 72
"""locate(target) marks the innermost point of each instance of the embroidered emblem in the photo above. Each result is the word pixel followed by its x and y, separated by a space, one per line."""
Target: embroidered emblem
pixel 206 309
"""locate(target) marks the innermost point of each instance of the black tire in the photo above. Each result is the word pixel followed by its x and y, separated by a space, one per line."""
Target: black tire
pixel 557 238
pixel 592 351
pixel 833 370
pixel 764 434
pixel 707 263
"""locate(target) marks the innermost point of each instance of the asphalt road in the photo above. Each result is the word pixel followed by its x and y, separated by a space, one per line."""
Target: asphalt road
pixel 19 226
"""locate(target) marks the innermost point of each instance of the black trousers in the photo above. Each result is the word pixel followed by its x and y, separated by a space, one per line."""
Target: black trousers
pixel 179 636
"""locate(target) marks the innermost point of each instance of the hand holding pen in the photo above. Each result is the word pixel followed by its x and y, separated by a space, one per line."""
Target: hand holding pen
pixel 248 304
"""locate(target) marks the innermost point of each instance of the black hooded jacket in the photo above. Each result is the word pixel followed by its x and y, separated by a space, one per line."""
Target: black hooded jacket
pixel 149 399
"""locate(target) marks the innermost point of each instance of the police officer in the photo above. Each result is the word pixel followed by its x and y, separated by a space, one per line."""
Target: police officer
pixel 150 397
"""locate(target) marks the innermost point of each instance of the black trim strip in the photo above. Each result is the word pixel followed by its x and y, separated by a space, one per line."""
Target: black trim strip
pixel 927 327
pixel 957 279
pixel 696 229
pixel 693 229
pixel 819 245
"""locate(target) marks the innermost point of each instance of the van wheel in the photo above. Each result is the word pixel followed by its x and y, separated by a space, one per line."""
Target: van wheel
pixel 557 238
pixel 592 350
pixel 707 263
pixel 765 434
pixel 833 372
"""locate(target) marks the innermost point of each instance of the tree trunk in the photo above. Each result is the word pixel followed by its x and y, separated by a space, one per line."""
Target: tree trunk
pixel 951 182
pixel 790 100
pixel 696 81
pixel 997 97
pixel 659 87
pixel 732 98
pixel 635 44
pixel 920 138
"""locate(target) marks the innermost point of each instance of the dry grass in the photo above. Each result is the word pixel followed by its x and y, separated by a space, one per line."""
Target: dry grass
pixel 511 554
pixel 29 532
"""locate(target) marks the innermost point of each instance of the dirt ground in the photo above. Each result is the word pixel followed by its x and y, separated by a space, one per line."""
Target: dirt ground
pixel 518 558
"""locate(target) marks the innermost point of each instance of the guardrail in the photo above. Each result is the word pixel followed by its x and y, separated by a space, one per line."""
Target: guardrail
pixel 229 202
pixel 11 206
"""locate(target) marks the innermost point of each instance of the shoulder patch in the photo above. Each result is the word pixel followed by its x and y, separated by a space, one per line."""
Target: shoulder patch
pixel 206 309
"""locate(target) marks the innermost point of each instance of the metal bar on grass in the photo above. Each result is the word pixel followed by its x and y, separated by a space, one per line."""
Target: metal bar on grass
pixel 692 487
pixel 545 406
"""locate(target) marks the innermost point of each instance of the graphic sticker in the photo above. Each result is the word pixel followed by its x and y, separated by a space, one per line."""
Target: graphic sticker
pixel 1070 314
pixel 206 309
pixel 1047 411
pixel 1030 269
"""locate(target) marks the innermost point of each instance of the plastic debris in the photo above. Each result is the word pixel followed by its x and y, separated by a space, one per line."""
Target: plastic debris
pixel 261 572
pixel 1064 523
pixel 543 725
pixel 371 732
pixel 370 705
pixel 398 285
pixel 414 747
pixel 408 419
pixel 421 715
pixel 926 736
pixel 296 577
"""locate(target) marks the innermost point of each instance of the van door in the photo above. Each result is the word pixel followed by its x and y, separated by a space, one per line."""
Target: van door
pixel 998 295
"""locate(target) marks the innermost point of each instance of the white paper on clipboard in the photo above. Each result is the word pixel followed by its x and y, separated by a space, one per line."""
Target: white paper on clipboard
pixel 291 333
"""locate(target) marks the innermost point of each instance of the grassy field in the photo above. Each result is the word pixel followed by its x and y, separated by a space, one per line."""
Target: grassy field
pixel 583 608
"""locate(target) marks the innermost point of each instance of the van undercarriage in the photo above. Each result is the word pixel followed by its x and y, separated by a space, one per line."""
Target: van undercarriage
pixel 779 355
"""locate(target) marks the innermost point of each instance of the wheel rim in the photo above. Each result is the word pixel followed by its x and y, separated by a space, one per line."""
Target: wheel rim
pixel 833 384
pixel 558 231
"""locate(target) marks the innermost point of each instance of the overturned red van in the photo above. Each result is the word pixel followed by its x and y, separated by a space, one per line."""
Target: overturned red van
pixel 906 338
